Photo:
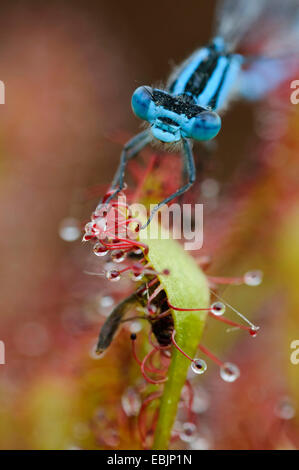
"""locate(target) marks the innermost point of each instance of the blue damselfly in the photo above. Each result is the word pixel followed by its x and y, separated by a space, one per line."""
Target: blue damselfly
pixel 198 92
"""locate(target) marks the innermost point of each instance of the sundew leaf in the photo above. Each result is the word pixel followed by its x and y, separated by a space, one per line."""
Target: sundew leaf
pixel 186 287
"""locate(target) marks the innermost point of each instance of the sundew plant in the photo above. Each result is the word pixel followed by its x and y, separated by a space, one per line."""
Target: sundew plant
pixel 174 295
pixel 150 249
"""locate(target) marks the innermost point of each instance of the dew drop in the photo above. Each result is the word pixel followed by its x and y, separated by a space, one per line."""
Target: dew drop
pixel 100 250
pixel 69 229
pixel 89 228
pixel 188 433
pixel 152 309
pixel 86 237
pixel 113 275
pixel 99 225
pixel 253 278
pixel 218 308
pixel 229 372
pixel 137 276
pixel 199 366
pixel 131 402
pixel 118 256
pixel 253 331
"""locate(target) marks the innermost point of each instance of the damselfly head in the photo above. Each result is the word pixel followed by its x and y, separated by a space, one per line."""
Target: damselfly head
pixel 173 117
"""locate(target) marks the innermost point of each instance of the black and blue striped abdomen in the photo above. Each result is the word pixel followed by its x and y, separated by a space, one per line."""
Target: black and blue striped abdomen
pixel 209 76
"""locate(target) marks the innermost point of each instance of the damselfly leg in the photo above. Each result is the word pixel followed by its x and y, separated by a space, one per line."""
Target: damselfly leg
pixel 131 148
pixel 191 172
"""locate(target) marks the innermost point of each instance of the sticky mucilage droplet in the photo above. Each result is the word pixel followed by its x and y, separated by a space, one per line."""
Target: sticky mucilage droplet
pixel 199 366
pixel 229 372
pixel 218 308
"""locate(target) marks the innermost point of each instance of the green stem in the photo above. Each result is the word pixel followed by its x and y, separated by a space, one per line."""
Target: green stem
pixel 186 287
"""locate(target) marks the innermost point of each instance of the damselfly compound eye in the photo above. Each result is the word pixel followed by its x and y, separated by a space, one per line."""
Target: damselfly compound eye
pixel 141 101
pixel 69 229
pixel 118 256
pixel 199 366
pixel 188 433
pixel 218 308
pixel 253 278
pixel 113 275
pixel 100 250
pixel 204 126
pixel 229 372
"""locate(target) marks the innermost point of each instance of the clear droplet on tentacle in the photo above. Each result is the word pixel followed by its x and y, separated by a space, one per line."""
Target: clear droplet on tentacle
pixel 112 275
pixel 188 432
pixel 199 366
pixel 118 256
pixel 218 308
pixel 253 278
pixel 152 309
pixel 254 331
pixel 229 372
pixel 137 276
pixel 100 250
pixel 137 272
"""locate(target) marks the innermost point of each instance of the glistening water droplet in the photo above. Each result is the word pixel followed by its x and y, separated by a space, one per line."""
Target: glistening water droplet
pixel 188 433
pixel 199 366
pixel 118 256
pixel 253 278
pixel 100 250
pixel 113 275
pixel 229 372
pixel 218 308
